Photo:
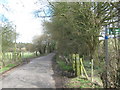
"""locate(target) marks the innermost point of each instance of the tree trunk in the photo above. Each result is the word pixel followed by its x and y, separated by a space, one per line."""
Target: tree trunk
pixel 36 53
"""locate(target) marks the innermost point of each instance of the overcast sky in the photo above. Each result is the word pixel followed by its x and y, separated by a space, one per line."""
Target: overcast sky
pixel 21 14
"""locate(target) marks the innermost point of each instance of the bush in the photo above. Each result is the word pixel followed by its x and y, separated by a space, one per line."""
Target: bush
pixel 63 66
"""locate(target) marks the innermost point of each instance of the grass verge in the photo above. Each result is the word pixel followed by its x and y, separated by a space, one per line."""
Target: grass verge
pixel 81 83
pixel 9 66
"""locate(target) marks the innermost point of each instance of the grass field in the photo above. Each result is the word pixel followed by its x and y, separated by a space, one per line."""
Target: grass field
pixel 10 55
pixel 9 58
pixel 28 55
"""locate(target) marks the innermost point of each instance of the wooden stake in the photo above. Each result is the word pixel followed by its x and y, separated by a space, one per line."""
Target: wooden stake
pixel 92 70
pixel 84 69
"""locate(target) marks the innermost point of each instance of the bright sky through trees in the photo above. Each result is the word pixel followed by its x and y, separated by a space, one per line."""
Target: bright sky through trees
pixel 21 14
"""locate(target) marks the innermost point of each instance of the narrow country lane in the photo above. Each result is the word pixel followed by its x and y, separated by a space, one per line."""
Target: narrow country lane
pixel 36 74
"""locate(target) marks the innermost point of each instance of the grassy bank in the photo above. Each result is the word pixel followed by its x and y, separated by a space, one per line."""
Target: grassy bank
pixel 81 83
pixel 9 66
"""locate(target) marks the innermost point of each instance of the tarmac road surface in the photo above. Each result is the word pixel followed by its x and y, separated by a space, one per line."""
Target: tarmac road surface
pixel 36 74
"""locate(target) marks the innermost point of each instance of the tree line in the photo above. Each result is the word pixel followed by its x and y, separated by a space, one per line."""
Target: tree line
pixel 76 28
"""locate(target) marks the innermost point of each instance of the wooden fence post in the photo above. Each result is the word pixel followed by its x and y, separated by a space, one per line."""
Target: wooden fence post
pixel 75 66
pixel 81 69
pixel 92 70
pixel 78 65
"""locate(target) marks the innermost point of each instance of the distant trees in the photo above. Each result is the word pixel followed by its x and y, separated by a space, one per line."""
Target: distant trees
pixel 43 44
pixel 30 47
pixel 25 47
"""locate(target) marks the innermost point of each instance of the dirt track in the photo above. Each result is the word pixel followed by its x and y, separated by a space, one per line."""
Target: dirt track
pixel 37 73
